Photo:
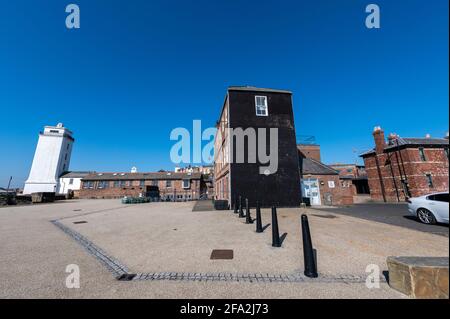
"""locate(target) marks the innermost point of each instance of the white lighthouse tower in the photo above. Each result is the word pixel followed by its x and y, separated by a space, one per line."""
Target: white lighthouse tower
pixel 51 159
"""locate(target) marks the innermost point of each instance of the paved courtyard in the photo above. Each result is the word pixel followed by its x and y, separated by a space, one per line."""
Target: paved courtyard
pixel 393 214
pixel 171 241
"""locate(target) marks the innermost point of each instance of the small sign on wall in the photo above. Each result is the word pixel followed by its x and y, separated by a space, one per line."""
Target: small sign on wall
pixel 331 184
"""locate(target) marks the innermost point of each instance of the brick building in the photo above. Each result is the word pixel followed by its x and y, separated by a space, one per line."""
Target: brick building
pixel 406 167
pixel 171 185
pixel 353 176
pixel 321 183
pixel 257 110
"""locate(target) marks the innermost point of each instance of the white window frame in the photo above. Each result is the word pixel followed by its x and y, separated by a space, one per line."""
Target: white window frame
pixel 188 183
pixel 266 105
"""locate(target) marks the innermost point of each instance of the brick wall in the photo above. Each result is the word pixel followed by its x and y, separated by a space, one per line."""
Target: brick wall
pixel 413 166
pixel 134 188
pixel 340 195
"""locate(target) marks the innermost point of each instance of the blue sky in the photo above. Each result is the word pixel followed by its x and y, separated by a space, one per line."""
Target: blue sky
pixel 137 69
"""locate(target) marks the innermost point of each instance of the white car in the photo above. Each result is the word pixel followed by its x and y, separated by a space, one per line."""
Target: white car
pixel 430 208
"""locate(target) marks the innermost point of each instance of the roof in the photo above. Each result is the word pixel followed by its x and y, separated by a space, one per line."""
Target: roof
pixel 312 167
pixel 75 174
pixel 410 141
pixel 142 176
pixel 255 89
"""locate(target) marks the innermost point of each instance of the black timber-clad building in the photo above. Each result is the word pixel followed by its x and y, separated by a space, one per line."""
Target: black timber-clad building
pixel 251 107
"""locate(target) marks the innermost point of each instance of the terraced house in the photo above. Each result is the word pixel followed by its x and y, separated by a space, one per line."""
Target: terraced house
pixel 170 185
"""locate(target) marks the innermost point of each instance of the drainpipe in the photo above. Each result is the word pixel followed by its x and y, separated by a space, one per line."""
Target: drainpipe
pixel 393 178
pixel 381 179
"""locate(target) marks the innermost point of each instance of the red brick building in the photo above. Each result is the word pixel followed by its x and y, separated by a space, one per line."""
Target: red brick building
pixel 172 186
pixel 406 167
pixel 321 183
pixel 353 176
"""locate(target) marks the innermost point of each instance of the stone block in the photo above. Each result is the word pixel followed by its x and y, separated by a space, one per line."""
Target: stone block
pixel 419 277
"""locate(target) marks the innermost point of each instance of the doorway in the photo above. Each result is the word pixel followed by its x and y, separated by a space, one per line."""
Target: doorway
pixel 310 188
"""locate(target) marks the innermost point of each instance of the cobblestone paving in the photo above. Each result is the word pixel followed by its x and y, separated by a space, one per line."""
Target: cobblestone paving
pixel 121 272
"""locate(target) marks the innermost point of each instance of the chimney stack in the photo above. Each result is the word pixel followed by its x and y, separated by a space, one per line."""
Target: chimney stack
pixel 380 142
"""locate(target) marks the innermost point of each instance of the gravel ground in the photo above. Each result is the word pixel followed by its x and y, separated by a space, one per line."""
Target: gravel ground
pixel 170 237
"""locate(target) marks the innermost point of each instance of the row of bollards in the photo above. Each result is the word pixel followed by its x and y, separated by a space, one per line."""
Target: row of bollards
pixel 309 253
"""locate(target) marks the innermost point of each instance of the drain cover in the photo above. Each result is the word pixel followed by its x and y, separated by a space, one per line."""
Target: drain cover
pixel 81 222
pixel 325 216
pixel 222 254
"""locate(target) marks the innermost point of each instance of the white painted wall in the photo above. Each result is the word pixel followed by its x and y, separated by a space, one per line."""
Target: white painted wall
pixel 51 159
pixel 65 185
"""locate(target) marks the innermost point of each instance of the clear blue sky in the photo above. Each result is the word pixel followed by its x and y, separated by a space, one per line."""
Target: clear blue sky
pixel 137 69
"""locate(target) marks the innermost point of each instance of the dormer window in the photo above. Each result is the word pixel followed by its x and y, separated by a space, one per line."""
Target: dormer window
pixel 261 106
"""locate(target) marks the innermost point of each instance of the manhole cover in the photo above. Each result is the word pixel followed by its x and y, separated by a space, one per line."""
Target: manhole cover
pixel 81 222
pixel 222 254
pixel 325 216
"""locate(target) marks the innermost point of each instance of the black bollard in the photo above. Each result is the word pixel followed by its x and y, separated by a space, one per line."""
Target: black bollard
pixel 308 251
pixel 259 228
pixel 235 205
pixel 275 232
pixel 241 210
pixel 248 217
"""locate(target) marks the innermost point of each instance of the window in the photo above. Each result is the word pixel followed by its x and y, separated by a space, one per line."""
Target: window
pixel 442 198
pixel 155 182
pixel 102 184
pixel 122 183
pixel 261 106
pixel 71 181
pixel 422 154
pixel 446 152
pixel 430 180
pixel 54 131
pixel 186 183
pixel 142 183
pixel 168 184
pixel 331 184
pixel 116 184
pixel 88 185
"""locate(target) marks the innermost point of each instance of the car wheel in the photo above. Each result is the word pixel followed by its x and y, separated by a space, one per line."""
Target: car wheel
pixel 425 216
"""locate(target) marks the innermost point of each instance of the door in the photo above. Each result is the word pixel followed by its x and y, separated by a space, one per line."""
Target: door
pixel 311 190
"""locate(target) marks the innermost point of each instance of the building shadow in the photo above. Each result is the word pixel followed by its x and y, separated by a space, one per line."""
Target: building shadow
pixel 265 227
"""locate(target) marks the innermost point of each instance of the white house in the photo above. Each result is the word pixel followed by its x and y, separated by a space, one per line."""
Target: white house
pixel 71 181
pixel 51 159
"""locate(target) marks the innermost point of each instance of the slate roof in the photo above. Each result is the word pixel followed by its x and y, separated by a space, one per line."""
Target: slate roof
pixel 313 167
pixel 141 176
pixel 75 174
pixel 411 141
